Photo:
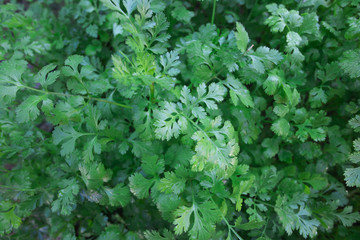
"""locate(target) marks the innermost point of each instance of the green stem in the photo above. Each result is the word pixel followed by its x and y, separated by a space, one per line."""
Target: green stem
pixel 213 12
pixel 71 95
pixel 152 92
pixel 266 204
pixel 252 10
pixel 231 228
pixel 19 189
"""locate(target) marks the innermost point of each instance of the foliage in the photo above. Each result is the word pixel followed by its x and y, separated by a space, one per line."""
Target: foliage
pixel 168 119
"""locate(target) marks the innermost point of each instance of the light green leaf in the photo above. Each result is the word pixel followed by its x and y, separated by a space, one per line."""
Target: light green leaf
pixel 140 186
pixel 171 183
pixel 238 92
pixel 205 216
pixel 352 177
pixel 28 110
pixel 242 37
pixel 281 127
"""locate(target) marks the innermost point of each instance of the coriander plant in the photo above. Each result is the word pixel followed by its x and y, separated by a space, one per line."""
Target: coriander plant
pixel 169 119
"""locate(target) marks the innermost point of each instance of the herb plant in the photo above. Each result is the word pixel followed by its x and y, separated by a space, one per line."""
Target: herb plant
pixel 168 119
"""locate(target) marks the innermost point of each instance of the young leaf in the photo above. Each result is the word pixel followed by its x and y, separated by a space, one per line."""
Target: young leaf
pixel 242 37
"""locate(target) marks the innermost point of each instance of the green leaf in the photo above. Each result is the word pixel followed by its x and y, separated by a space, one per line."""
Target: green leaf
pixel 180 13
pixel 205 216
pixel 47 76
pixel 12 71
pixel 317 182
pixel 281 127
pixel 293 39
pixel 112 232
pixel 170 62
pixel 294 215
pixel 154 235
pixel 28 110
pixel 264 58
pixel 171 183
pixel 238 92
pixel 94 174
pixel 355 123
pixel 91 147
pixel 354 28
pixel 66 202
pixel 281 110
pixel 119 195
pixel 350 63
pixel 8 219
pixel 317 97
pixel 355 157
pixel 67 136
pixel 170 123
pixel 348 217
pixel 352 177
pixel 152 165
pixel 113 4
pixel 140 186
pixel 72 65
pixel 215 94
pixel 216 146
pixel 273 81
pixel 310 25
pixel 242 37
pixel 254 224
pixel 356 144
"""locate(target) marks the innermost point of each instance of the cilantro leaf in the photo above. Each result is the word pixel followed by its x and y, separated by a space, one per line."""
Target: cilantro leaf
pixel 28 110
pixel 8 219
pixel 65 202
pixel 294 215
pixel 216 146
pixel 281 127
pixel 350 63
pixel 140 186
pixel 242 37
pixel 238 92
pixel 94 175
pixel 119 195
pixel 67 136
pixel 171 183
pixel 205 216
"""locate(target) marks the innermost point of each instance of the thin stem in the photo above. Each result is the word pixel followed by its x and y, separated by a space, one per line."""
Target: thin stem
pixel 19 189
pixel 152 92
pixel 71 95
pixel 213 12
pixel 252 10
pixel 231 228
pixel 248 49
pixel 227 223
pixel 266 204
